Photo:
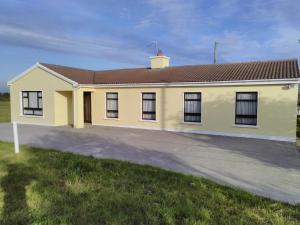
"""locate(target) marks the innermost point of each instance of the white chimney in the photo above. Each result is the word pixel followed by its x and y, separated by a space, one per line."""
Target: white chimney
pixel 159 61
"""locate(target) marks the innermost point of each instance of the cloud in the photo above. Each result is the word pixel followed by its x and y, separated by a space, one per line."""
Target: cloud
pixel 106 47
pixel 185 29
pixel 280 20
pixel 285 43
pixel 176 15
pixel 144 24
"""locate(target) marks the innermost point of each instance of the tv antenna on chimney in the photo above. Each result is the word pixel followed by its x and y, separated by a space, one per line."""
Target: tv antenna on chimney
pixel 155 44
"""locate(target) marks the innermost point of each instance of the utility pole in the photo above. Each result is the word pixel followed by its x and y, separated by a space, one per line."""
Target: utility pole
pixel 215 51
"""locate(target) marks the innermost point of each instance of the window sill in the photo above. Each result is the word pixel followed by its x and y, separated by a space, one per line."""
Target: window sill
pixel 32 116
pixel 117 119
pixel 245 126
pixel 192 123
pixel 151 121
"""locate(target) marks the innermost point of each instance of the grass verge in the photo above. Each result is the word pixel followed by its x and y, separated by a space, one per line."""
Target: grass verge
pixel 4 109
pixel 51 187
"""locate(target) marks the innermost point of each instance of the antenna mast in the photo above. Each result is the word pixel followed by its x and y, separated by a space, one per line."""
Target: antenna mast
pixel 155 44
pixel 215 51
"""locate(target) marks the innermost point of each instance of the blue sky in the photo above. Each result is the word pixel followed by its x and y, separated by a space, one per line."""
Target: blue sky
pixel 115 34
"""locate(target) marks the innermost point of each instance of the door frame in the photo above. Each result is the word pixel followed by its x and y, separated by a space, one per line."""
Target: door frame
pixel 85 119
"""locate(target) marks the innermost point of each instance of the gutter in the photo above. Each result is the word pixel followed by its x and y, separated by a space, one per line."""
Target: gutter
pixel 195 84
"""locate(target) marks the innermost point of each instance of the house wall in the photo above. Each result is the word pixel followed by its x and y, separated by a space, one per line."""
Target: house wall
pixel 277 109
pixel 78 105
pixel 39 80
pixel 63 108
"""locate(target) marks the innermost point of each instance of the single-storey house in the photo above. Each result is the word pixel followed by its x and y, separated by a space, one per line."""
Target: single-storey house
pixel 250 99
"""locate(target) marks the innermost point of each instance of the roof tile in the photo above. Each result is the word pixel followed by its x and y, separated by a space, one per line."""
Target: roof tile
pixel 261 70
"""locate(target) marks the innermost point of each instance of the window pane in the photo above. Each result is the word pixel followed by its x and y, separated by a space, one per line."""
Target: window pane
pixel 40 103
pixel 192 118
pixel 149 96
pixel 148 116
pixel 192 106
pixel 25 102
pixel 148 106
pixel 246 108
pixel 33 100
pixel 191 96
pixel 38 112
pixel 112 95
pixel 28 112
pixel 39 94
pixel 246 121
pixel 25 94
pixel 112 115
pixel 246 96
pixel 112 105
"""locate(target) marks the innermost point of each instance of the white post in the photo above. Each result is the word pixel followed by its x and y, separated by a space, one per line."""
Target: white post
pixel 16 137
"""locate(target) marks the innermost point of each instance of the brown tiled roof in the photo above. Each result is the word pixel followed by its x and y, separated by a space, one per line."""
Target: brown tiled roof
pixel 262 70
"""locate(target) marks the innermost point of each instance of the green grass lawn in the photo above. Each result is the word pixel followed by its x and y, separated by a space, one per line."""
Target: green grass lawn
pixel 51 187
pixel 4 109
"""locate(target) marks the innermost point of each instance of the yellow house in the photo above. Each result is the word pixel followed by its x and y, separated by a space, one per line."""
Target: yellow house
pixel 251 99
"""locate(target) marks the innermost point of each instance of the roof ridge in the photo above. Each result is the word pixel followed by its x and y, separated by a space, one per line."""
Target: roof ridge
pixel 70 67
pixel 134 68
pixel 247 62
pixel 174 67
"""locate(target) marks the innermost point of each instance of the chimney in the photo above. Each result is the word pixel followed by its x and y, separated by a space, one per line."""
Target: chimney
pixel 159 61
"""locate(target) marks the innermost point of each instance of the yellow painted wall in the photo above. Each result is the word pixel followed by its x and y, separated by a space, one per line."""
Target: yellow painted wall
pixel 63 108
pixel 78 105
pixel 159 62
pixel 37 80
pixel 277 108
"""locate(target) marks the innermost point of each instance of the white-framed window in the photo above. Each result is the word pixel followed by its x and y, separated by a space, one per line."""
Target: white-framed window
pixel 192 107
pixel 112 105
pixel 149 106
pixel 32 103
pixel 246 108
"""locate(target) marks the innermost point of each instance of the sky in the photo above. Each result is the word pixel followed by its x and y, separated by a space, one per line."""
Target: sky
pixel 109 34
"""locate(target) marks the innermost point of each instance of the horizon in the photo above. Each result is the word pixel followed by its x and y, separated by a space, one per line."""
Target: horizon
pixel 121 34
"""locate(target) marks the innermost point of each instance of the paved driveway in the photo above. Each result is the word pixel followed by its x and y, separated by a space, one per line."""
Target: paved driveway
pixel 267 168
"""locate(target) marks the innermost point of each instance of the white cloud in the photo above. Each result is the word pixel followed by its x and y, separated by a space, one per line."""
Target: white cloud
pixel 225 8
pixel 281 19
pixel 106 47
pixel 285 42
pixel 184 29
pixel 144 23
pixel 177 15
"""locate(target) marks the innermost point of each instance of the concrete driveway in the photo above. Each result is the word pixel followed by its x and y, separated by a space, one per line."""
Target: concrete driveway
pixel 267 168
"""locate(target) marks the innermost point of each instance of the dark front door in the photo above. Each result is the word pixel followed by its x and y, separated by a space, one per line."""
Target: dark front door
pixel 87 107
